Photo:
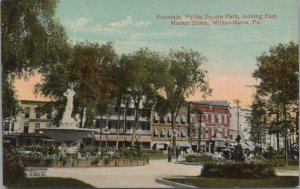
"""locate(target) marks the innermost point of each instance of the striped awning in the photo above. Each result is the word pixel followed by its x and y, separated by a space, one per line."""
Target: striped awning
pixel 141 138
pixel 183 144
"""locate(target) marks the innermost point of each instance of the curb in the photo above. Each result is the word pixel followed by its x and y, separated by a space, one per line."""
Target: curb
pixel 187 163
pixel 173 184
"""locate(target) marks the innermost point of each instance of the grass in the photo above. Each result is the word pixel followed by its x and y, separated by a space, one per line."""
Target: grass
pixel 287 181
pixel 153 156
pixel 289 167
pixel 50 182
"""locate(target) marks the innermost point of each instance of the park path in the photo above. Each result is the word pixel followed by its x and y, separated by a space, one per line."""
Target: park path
pixel 127 177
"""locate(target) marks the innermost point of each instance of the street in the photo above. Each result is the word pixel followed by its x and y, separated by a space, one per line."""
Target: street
pixel 127 177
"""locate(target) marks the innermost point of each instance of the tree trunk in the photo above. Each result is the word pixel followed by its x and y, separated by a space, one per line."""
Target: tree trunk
pixel 118 128
pixel 81 117
pixel 285 135
pixel 100 128
pixel 136 124
pixel 286 146
pixel 277 138
pixel 174 136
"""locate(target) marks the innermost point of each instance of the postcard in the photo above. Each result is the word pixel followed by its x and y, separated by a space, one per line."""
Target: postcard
pixel 150 94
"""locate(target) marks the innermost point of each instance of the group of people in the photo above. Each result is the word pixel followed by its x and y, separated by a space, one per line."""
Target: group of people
pixel 171 150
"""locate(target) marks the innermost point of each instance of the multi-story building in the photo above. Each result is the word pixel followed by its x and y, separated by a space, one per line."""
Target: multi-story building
pixel 215 119
pixel 162 134
pixel 240 122
pixel 23 128
pixel 110 125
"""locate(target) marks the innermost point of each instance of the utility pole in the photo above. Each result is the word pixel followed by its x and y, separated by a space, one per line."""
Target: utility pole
pixel 237 101
pixel 199 131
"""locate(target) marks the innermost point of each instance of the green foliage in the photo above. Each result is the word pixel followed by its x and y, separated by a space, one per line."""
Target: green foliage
pixel 131 154
pixel 232 169
pixel 63 159
pixel 50 182
pixel 184 75
pixel 154 154
pixel 273 182
pixel 13 168
pixel 31 39
pixel 95 161
pixel 198 158
pixel 279 160
pixel 277 94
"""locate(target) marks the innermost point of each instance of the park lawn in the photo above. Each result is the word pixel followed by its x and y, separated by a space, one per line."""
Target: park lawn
pixel 50 182
pixel 154 156
pixel 287 181
pixel 289 167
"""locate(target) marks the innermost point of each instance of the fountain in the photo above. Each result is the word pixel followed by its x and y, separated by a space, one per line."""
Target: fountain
pixel 67 133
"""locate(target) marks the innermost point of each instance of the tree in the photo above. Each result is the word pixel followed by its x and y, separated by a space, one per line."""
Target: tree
pixel 86 67
pixel 278 73
pixel 185 75
pixel 257 119
pixel 31 39
pixel 145 73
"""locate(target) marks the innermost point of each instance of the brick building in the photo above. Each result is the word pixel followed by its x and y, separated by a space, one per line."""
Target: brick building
pixel 215 122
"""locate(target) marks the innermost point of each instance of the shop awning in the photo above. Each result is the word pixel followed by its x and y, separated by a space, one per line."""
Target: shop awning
pixel 183 144
pixel 122 138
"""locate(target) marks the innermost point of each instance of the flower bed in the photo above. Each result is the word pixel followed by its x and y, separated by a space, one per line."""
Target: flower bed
pixel 101 163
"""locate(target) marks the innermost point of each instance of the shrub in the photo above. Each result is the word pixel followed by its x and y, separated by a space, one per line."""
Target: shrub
pixel 279 161
pixel 131 154
pixel 198 158
pixel 233 169
pixel 13 169
pixel 95 161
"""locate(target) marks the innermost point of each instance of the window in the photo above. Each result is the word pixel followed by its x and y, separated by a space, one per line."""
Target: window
pixel 37 115
pixel 128 126
pixel 37 125
pixel 49 116
pixel 109 124
pixel 129 112
pixel 12 126
pixel 27 112
pixel 26 127
pixel 6 126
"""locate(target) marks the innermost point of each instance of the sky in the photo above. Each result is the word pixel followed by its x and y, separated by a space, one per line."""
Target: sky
pixel 230 50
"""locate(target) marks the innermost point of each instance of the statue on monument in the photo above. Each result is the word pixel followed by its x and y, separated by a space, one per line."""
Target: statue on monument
pixel 67 120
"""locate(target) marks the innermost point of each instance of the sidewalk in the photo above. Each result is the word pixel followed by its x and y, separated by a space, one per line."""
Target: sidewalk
pixel 282 172
pixel 128 177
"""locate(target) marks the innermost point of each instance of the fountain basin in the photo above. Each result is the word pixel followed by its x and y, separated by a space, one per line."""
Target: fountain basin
pixel 66 135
